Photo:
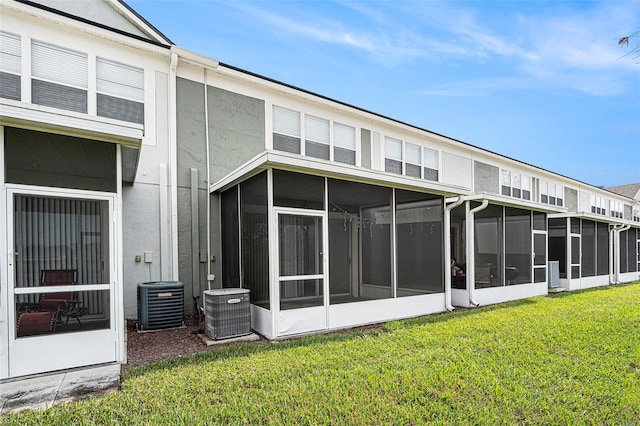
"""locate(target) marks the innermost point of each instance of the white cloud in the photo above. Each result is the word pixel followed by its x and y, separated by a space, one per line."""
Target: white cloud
pixel 557 47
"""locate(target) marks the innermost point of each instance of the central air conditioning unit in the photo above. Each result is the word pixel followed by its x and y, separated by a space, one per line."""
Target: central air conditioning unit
pixel 227 313
pixel 160 305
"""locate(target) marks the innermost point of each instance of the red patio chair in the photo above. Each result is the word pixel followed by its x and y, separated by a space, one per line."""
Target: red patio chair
pixel 30 323
pixel 62 301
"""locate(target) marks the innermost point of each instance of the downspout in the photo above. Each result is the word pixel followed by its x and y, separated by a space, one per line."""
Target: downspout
pixel 471 261
pixel 447 250
pixel 173 164
pixel 207 144
pixel 616 249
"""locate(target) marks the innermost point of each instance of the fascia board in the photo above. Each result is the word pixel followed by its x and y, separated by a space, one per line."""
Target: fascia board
pixel 251 167
pixel 36 117
pixel 594 217
pixel 139 21
pixel 295 163
pixel 87 28
pixel 511 202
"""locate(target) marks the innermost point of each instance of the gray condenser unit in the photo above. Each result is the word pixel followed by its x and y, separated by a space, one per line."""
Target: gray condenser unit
pixel 160 305
pixel 227 313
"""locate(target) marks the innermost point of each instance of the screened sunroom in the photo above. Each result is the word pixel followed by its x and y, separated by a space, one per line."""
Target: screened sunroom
pixel 321 253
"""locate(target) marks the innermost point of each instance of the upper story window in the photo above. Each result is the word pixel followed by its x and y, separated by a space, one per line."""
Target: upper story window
pixel 319 142
pixel 516 185
pixel 636 218
pixel 410 159
pixel 430 164
pixel 59 77
pixel 598 205
pixel 393 155
pixel 551 193
pixel 344 138
pixel 617 209
pixel 10 66
pixel 286 130
pixel 317 137
pixel 120 91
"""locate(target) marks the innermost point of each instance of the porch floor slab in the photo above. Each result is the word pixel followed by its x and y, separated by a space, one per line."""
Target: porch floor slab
pixel 46 390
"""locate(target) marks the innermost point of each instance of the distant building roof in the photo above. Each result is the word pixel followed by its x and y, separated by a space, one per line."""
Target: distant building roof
pixel 632 190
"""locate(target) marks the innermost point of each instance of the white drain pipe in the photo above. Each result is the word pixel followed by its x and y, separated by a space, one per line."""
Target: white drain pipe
pixel 447 250
pixel 616 249
pixel 471 261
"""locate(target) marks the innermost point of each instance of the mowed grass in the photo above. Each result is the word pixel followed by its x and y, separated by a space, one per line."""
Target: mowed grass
pixel 573 358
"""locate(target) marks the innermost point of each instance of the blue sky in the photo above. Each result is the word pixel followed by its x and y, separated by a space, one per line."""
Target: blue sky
pixel 543 82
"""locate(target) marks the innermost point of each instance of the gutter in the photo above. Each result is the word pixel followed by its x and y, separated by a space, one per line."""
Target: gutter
pixel 173 164
pixel 471 261
pixel 614 259
pixel 447 250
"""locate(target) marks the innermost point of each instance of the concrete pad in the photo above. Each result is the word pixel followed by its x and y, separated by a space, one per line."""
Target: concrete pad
pixel 45 390
pixel 80 383
pixel 210 342
pixel 36 392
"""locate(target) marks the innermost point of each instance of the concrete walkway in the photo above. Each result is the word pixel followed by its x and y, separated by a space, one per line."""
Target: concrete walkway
pixel 46 390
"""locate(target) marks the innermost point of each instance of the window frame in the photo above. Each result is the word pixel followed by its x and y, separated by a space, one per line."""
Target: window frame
pixel 404 161
pixel 303 137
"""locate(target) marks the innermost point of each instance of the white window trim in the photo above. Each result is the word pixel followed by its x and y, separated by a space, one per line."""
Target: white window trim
pixel 302 117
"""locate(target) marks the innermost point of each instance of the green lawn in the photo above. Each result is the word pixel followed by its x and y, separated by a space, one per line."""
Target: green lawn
pixel 573 358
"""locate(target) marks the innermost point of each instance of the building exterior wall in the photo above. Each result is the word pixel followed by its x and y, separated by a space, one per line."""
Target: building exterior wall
pixel 236 130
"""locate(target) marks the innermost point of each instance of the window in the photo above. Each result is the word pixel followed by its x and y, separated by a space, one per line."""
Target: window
pixel 393 155
pixel 516 185
pixel 120 91
pixel 344 150
pixel 430 164
pixel 405 158
pixel 551 193
pixel 316 137
pixel 636 214
pixel 10 59
pixel 617 209
pixel 413 160
pixel 59 77
pixel 598 205
pixel 286 130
